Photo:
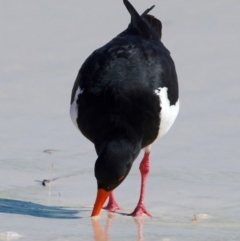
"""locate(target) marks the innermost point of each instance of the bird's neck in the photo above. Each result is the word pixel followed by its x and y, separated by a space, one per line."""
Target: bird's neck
pixel 120 141
pixel 117 155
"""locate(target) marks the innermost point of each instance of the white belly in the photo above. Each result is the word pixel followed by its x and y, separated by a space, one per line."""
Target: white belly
pixel 74 108
pixel 168 112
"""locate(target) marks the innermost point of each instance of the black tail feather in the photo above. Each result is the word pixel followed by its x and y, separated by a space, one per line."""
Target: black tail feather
pixel 155 24
pixel 131 9
pixel 147 25
pixel 137 22
pixel 147 11
pixel 152 21
pixel 135 17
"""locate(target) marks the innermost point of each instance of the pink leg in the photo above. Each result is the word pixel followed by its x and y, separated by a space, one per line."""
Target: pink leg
pixel 112 203
pixel 144 169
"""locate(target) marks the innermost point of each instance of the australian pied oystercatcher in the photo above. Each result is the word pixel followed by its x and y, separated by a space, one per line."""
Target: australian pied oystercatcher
pixel 124 98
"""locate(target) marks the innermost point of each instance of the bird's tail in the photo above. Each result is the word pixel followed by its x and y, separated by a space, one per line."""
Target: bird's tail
pixel 145 23
pixel 153 22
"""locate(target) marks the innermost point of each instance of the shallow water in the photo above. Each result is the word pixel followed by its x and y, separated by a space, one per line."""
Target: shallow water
pixel 194 168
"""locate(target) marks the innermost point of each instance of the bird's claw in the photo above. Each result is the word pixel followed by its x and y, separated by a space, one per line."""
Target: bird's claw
pixel 139 211
pixel 112 207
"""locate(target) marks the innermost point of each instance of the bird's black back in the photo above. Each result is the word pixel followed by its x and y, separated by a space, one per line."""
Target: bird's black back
pixel 118 83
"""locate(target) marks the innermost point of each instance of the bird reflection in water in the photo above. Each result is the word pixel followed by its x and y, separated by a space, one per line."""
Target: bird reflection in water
pixel 103 235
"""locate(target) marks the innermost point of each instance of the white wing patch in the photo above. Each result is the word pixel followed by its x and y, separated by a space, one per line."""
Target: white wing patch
pixel 168 112
pixel 74 107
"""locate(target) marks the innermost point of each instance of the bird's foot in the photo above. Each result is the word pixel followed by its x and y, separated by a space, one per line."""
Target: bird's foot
pixel 139 211
pixel 112 206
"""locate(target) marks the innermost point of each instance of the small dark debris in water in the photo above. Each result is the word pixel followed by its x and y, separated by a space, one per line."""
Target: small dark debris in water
pixel 49 151
pixel 45 182
pixel 194 219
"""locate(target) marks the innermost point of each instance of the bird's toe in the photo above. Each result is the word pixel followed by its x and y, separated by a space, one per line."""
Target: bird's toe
pixel 139 211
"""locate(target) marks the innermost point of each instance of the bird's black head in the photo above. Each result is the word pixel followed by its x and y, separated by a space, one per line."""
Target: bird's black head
pixel 114 163
pixel 112 167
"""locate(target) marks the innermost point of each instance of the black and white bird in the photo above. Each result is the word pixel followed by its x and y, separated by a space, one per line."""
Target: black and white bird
pixel 124 98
